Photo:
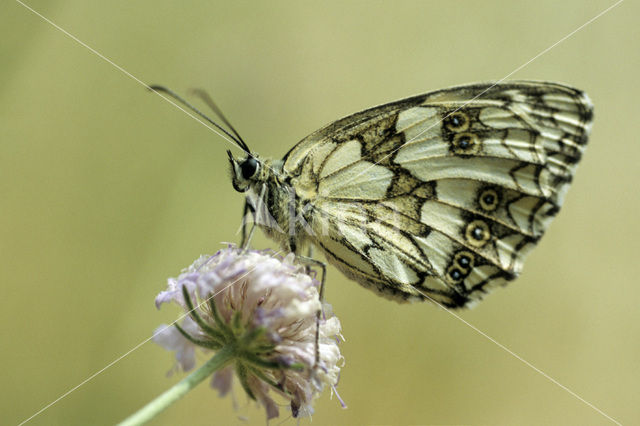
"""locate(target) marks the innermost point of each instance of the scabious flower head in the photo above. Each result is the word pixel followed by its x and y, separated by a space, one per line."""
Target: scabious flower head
pixel 263 309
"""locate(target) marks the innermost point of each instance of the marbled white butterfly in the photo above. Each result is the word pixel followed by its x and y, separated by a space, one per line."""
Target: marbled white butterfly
pixel 435 197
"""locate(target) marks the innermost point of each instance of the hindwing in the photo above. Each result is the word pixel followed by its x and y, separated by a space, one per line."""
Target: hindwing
pixel 441 196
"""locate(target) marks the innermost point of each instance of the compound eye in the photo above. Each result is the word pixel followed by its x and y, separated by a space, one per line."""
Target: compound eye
pixel 249 167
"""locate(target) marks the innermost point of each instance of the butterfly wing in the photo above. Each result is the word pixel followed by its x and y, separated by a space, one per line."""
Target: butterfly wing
pixel 441 196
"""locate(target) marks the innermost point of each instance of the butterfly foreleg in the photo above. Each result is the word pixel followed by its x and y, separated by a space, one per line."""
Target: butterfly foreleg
pixel 246 238
pixel 255 210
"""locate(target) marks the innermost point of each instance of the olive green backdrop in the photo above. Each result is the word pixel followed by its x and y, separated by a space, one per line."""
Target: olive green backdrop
pixel 106 190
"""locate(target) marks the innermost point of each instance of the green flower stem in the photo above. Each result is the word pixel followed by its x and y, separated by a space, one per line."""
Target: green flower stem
pixel 180 389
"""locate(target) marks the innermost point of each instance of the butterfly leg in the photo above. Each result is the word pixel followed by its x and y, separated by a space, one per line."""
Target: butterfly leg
pixel 246 238
pixel 310 256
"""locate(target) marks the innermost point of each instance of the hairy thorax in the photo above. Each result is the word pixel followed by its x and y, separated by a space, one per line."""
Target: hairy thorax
pixel 279 209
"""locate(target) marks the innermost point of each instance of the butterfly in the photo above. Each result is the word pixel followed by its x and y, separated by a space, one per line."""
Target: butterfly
pixel 435 197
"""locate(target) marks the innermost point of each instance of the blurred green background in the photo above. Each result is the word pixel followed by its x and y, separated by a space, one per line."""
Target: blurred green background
pixel 107 190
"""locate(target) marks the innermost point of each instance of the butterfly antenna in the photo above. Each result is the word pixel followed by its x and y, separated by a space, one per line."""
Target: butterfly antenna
pixel 234 137
pixel 204 97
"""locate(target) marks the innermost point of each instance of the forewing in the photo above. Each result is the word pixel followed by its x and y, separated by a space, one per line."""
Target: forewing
pixel 441 196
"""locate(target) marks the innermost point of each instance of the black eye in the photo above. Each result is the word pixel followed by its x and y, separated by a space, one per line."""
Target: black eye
pixel 249 167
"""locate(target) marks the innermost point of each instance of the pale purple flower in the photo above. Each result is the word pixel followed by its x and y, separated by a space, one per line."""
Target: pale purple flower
pixel 265 308
pixel 171 339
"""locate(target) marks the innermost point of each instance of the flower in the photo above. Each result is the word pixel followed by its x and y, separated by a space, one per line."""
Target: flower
pixel 263 310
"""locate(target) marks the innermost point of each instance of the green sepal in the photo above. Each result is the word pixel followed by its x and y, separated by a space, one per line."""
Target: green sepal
pixel 193 313
pixel 241 371
pixel 219 321
pixel 209 344
pixel 249 336
pixel 259 374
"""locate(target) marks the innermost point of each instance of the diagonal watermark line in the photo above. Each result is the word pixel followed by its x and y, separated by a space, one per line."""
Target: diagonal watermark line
pixel 128 74
pixel 214 130
pixel 487 89
pixel 518 357
pixel 115 361
pixel 122 70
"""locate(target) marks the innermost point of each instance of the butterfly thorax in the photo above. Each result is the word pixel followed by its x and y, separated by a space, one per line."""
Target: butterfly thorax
pixel 278 208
